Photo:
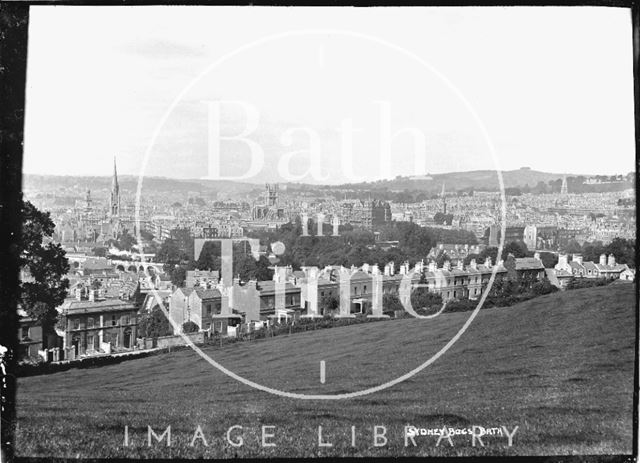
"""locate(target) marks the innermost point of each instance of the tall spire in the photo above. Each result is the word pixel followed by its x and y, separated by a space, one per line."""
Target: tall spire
pixel 114 181
pixel 115 192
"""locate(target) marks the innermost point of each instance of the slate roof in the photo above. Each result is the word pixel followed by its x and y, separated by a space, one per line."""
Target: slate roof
pixel 529 263
pixel 268 287
pixel 207 293
pixel 74 307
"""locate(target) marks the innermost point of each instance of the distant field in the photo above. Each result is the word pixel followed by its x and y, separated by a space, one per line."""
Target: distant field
pixel 559 367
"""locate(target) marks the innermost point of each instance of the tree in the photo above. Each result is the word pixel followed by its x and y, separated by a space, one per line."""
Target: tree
pixel 155 324
pixel 623 250
pixel 517 248
pixel 146 235
pixel 488 252
pixel 391 303
pixel 125 241
pixel 549 259
pixel 190 327
pixel 543 287
pixel 100 251
pixel 424 301
pixel 45 287
pixel 329 304
pixel 573 247
pixel 442 258
pixel 178 274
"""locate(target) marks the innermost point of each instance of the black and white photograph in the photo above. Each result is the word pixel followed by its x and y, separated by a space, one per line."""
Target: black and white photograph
pixel 307 232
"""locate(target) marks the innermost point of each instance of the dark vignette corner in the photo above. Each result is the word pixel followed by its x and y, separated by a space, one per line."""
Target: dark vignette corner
pixel 14 20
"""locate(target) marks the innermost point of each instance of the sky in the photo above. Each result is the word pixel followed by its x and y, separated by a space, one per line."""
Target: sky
pixel 327 95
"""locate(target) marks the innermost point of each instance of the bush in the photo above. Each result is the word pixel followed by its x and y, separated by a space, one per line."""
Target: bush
pixel 577 283
pixel 190 327
pixel 463 305
pixel 543 287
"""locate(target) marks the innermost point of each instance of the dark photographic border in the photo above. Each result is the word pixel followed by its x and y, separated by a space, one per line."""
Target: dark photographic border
pixel 14 22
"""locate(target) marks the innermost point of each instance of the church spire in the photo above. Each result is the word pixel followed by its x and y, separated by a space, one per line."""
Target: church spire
pixel 115 192
pixel 114 181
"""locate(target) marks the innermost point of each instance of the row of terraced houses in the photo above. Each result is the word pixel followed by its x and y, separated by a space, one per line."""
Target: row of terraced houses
pixel 105 320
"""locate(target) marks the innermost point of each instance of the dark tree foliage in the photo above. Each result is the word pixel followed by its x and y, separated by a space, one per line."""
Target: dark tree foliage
pixel 100 251
pixel 178 274
pixel 125 241
pixel 423 301
pixel 443 219
pixel 623 250
pixel 329 304
pixel 391 303
pixel 480 258
pixel 155 324
pixel 442 258
pixel 549 259
pixel 190 327
pixel 45 287
pixel 244 264
pixel 577 283
pixel 146 235
pixel 517 248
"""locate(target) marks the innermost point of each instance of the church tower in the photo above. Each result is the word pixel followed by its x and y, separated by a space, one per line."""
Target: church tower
pixel 114 202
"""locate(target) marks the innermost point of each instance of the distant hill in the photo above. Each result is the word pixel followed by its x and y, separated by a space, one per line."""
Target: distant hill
pixel 476 179
pixel 129 183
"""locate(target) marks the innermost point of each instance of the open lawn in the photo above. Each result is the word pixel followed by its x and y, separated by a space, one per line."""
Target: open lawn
pixel 560 367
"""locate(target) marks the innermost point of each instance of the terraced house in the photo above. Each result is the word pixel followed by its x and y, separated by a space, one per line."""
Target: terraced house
pixel 577 268
pixel 96 325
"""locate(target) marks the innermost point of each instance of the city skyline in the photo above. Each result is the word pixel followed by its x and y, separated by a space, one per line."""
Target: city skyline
pixel 540 109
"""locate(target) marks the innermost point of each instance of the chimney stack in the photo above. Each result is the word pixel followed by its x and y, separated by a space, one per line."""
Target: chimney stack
pixel 603 259
pixel 612 260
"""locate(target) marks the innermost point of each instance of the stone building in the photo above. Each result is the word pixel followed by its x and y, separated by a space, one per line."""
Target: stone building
pixel 96 325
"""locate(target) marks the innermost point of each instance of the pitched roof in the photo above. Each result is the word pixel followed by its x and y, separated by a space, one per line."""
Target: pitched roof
pixel 575 265
pixel 528 263
pixel 269 286
pixel 107 305
pixel 207 293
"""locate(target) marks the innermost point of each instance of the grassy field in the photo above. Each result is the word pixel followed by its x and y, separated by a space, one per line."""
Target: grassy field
pixel 560 367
